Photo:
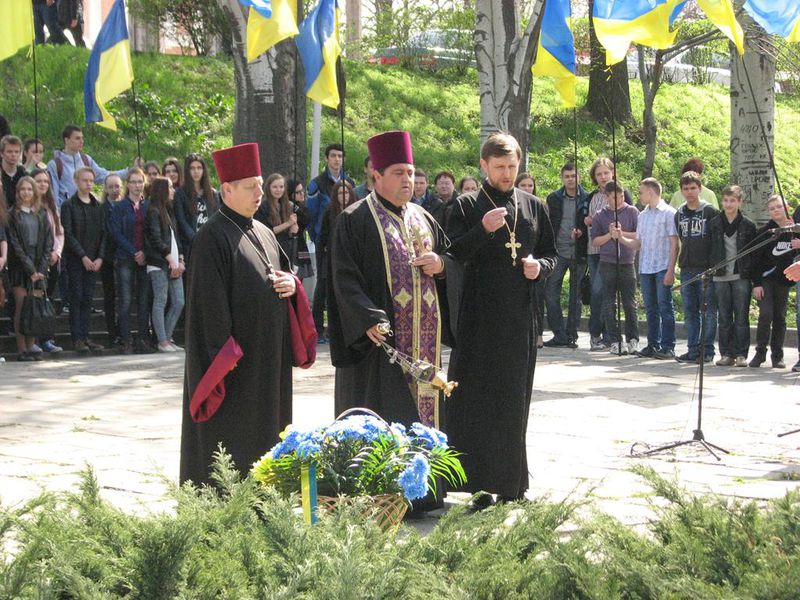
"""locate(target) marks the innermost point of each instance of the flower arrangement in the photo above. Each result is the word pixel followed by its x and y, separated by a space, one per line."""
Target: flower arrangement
pixel 362 455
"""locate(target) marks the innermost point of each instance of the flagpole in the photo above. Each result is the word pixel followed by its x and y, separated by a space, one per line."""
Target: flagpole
pixel 136 119
pixel 575 140
pixel 35 91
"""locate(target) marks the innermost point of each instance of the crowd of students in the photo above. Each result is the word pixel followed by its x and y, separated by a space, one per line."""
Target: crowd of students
pixel 137 237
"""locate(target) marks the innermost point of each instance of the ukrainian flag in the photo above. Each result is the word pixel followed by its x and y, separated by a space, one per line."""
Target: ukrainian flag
pixel 16 27
pixel 722 14
pixel 318 44
pixel 110 70
pixel 556 54
pixel 619 23
pixel 779 17
pixel 269 23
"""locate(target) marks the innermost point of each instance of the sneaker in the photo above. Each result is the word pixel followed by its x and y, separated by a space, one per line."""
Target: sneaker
pixel 633 346
pixel 65 309
pixel 35 349
pixel 596 344
pixel 618 349
pixel 726 361
pixel 2 359
pixel 796 367
pixel 93 346
pixel 686 358
pixel 37 356
pixel 25 357
pixel 556 343
pixel 777 363
pixel 646 352
pixel 127 348
pixel 176 347
pixel 80 346
pixel 572 343
pixel 166 348
pixel 741 361
pixel 321 339
pixel 664 354
pixel 50 347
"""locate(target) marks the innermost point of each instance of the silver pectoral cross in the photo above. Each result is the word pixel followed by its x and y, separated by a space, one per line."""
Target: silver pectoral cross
pixel 513 244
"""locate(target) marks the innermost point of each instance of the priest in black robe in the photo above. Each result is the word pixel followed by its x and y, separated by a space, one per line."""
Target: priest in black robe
pixel 503 239
pixel 238 381
pixel 387 269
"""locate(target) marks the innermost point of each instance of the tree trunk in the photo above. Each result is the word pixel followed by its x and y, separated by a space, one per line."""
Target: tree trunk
pixel 270 101
pixel 609 97
pixel 651 81
pixel 353 29
pixel 750 164
pixel 504 56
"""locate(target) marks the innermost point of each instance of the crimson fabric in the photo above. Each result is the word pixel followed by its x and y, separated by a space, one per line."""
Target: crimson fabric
pixel 210 391
pixel 302 328
pixel 390 148
pixel 239 162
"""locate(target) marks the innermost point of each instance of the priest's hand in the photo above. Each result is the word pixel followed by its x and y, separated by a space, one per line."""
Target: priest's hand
pixel 494 219
pixel 430 263
pixel 531 267
pixel 375 335
pixel 284 284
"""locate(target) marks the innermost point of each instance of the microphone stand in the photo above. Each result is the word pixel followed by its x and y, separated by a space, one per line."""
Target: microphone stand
pixel 697 435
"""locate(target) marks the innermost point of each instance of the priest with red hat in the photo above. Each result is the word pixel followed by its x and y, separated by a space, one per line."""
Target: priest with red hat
pixel 387 273
pixel 238 380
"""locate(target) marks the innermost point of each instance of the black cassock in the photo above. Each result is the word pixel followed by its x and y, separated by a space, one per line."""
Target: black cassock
pixel 358 299
pixel 230 294
pixel 495 354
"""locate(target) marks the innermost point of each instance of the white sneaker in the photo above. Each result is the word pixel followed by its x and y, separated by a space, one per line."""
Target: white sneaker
pixel 633 346
pixel 596 344
pixel 617 349
pixel 2 360
pixel 176 347
pixel 167 348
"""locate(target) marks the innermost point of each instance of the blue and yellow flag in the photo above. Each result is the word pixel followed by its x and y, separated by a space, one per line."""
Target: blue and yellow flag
pixel 318 44
pixel 619 23
pixel 778 17
pixel 269 23
pixel 556 54
pixel 110 70
pixel 16 26
pixel 722 14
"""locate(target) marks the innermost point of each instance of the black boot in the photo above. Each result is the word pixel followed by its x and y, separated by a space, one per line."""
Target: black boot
pixel 759 358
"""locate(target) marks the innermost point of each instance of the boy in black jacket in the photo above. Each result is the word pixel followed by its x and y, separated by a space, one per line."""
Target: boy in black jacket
pixel 84 223
pixel 770 286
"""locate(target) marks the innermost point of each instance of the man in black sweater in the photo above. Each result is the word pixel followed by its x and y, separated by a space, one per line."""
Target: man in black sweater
pixel 83 220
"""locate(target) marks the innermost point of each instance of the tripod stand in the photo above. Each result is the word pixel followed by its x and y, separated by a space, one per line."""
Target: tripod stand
pixel 697 435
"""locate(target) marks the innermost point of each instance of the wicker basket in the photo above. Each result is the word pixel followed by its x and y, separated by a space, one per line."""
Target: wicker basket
pixel 386 510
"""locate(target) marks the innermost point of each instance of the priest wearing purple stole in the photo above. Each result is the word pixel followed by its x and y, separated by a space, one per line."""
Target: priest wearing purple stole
pixel 503 239
pixel 386 264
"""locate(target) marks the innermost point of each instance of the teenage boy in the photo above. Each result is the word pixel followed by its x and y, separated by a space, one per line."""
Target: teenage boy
pixel 65 162
pixel 365 189
pixel 614 234
pixel 657 258
pixel 770 285
pixel 84 221
pixel 423 197
pixel 11 171
pixel 445 185
pixel 693 223
pixel 568 207
pixel 319 197
pixel 730 234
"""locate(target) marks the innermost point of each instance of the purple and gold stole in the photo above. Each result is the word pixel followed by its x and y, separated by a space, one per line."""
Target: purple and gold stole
pixel 415 301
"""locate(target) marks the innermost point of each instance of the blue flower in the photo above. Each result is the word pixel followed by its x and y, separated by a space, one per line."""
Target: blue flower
pixel 357 427
pixel 431 438
pixel 414 479
pixel 305 442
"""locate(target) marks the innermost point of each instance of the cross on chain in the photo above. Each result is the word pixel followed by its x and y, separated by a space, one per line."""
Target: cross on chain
pixel 513 244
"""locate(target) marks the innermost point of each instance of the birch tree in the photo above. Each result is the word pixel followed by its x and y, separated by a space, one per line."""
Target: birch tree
pixel 270 101
pixel 750 164
pixel 504 54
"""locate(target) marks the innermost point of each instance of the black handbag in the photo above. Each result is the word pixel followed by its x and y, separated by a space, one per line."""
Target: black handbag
pixel 38 317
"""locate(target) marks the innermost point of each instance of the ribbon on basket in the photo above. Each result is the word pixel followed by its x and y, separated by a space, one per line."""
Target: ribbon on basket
pixel 308 492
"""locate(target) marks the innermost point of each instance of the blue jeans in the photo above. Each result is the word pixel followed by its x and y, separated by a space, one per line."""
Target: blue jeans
pixel 733 299
pixel 660 311
pixel 47 15
pixel 81 292
pixel 130 275
pixel 165 287
pixel 692 296
pixel 596 317
pixel 552 292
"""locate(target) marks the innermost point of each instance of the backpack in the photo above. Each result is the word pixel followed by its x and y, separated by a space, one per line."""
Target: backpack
pixel 60 164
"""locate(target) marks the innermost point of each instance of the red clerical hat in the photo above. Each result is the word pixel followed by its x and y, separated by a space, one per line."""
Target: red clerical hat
pixel 390 148
pixel 239 162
